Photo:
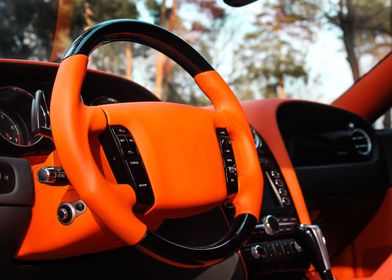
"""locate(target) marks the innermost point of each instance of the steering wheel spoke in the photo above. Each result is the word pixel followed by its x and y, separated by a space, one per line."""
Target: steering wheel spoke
pixel 172 158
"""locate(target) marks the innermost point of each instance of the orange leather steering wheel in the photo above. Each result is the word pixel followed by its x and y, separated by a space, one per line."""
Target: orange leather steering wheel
pixel 169 160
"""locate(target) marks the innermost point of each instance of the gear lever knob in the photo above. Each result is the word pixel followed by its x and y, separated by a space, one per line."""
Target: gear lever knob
pixel 312 240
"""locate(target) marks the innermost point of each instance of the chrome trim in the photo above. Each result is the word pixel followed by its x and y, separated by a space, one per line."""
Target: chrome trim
pixel 254 252
pixel 48 171
pixel 281 224
pixel 365 136
pixel 77 212
pixel 74 212
pixel 266 223
pixel 315 232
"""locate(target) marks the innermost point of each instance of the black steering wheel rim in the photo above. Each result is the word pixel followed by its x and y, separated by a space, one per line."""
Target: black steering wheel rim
pixel 143 33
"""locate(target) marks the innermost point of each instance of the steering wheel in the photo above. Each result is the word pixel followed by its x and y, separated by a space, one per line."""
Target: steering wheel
pixel 169 160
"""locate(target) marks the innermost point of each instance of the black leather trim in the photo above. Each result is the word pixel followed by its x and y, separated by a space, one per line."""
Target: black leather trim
pixel 240 231
pixel 143 33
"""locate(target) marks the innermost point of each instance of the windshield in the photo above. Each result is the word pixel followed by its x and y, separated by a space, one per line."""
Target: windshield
pixel 296 49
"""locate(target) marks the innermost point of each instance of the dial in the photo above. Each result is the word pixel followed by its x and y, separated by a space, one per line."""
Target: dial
pixel 9 130
pixel 15 117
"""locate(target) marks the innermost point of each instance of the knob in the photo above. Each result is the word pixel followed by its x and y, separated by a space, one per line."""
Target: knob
pixel 279 183
pixel 282 191
pixel 65 213
pixel 69 211
pixel 275 174
pixel 286 201
pixel 52 175
pixel 271 225
pixel 258 252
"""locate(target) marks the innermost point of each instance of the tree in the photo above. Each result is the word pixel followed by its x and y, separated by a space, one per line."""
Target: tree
pixel 26 28
pixel 165 17
pixel 171 82
pixel 366 28
pixel 268 56
pixel 112 57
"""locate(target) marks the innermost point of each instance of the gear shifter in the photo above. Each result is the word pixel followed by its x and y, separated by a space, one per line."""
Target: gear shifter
pixel 312 240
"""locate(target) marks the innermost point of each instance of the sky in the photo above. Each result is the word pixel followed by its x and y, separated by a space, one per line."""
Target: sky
pixel 326 59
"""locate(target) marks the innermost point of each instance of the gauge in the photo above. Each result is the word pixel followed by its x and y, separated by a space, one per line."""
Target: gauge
pixel 15 117
pixel 9 130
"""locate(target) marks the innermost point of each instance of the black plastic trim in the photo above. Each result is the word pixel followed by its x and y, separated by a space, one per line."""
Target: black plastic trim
pixel 125 173
pixel 240 231
pixel 340 179
pixel 384 137
pixel 322 170
pixel 318 134
pixel 22 193
pixel 143 33
pixel 228 161
pixel 14 222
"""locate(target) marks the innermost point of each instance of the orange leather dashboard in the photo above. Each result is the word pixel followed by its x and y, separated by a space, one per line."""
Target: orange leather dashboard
pixel 47 238
pixel 262 116
pixel 370 254
pixel 371 95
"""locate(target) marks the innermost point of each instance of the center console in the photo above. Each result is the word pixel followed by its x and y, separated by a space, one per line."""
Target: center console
pixel 273 247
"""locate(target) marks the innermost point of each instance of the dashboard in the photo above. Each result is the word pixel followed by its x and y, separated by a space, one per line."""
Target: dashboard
pixel 329 136
pixel 332 151
pixel 18 86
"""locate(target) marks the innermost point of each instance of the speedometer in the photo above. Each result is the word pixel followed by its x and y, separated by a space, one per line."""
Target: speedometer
pixel 15 117
pixel 9 130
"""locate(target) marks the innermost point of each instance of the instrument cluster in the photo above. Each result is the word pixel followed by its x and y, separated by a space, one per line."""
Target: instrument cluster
pixel 24 117
pixel 15 117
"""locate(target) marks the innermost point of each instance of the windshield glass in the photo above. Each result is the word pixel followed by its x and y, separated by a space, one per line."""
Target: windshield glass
pixel 296 49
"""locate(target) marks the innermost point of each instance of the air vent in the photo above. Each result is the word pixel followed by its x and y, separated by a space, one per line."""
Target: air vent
pixel 361 141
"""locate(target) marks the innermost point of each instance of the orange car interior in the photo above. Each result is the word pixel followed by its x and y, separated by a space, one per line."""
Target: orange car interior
pixel 118 182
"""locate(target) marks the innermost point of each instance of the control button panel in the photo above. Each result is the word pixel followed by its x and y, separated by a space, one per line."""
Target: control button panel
pixel 273 178
pixel 258 252
pixel 7 179
pixel 228 160
pixel 276 225
pixel 272 251
pixel 52 175
pixel 127 164
pixel 276 181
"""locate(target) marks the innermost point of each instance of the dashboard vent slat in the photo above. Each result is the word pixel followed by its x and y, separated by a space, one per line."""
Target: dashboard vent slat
pixel 361 142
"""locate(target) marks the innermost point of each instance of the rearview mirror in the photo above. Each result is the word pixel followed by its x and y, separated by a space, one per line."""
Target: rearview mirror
pixel 238 3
